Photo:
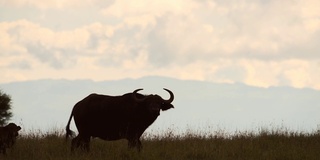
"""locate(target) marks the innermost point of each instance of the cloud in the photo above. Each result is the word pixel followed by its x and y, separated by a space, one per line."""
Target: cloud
pixel 260 43
pixel 246 29
pixel 154 8
pixel 44 44
pixel 49 4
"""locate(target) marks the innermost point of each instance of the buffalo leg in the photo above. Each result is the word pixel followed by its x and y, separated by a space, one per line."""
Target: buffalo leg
pixel 85 145
pixel 80 142
pixel 75 143
pixel 135 143
pixel 3 151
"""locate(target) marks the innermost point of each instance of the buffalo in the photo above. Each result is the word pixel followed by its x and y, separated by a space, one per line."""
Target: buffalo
pixel 115 117
pixel 8 135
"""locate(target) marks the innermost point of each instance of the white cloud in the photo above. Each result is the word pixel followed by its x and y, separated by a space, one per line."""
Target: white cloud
pixel 144 13
pixel 157 8
pixel 262 43
pixel 48 4
pixel 31 33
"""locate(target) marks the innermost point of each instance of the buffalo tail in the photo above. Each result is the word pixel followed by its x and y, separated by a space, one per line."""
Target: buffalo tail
pixel 68 131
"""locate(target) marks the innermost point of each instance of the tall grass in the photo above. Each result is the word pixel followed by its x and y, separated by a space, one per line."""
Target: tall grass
pixel 264 144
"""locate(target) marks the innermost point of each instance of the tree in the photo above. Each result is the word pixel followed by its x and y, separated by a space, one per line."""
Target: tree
pixel 5 107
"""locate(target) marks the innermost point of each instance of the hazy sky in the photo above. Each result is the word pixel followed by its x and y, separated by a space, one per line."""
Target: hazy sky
pixel 257 42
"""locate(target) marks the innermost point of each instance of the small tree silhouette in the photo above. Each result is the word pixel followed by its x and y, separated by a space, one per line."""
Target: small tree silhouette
pixel 5 107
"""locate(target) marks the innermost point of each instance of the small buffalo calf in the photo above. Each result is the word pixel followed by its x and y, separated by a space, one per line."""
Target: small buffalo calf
pixel 8 135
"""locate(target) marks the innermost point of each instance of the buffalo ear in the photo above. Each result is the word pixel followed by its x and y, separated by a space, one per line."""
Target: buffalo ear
pixel 166 106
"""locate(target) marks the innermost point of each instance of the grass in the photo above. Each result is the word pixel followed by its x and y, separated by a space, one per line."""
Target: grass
pixel 262 145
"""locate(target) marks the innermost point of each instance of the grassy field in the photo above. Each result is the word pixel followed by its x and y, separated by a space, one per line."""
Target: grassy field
pixel 268 145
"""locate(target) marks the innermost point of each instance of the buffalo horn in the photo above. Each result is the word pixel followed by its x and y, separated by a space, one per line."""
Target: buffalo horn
pixel 135 96
pixel 171 96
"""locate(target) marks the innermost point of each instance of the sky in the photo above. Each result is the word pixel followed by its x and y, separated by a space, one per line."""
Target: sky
pixel 256 42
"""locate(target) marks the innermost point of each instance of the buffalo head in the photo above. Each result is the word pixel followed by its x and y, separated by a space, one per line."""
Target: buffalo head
pixel 13 129
pixel 154 103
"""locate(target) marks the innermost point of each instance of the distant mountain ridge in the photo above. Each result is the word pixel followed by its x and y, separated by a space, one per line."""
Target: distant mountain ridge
pixel 48 103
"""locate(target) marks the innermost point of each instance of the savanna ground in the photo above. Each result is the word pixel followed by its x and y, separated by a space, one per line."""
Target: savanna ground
pixel 265 144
